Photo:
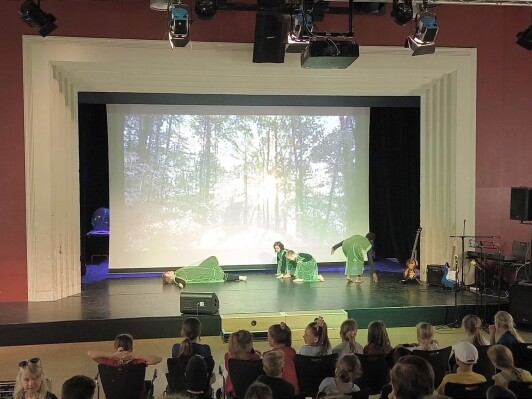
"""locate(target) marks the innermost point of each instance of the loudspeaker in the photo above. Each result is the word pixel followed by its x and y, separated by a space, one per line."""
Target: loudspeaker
pixel 269 43
pixel 434 274
pixel 199 303
pixel 520 308
pixel 521 204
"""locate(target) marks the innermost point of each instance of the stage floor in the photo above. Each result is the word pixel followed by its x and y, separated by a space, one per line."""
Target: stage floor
pixel 108 298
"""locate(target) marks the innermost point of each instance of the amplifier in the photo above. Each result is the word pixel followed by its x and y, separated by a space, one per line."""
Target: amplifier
pixel 435 274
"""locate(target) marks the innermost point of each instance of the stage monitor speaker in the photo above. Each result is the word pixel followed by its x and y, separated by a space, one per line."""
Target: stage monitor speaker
pixel 520 308
pixel 199 303
pixel 521 204
pixel 434 274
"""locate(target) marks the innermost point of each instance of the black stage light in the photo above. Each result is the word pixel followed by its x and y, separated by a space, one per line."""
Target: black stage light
pixel 32 14
pixel 205 9
pixel 524 39
pixel 402 13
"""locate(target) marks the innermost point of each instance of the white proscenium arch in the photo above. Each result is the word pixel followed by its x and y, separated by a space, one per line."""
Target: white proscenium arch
pixel 57 68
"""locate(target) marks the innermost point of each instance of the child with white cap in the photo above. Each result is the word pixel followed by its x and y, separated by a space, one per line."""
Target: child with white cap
pixel 466 356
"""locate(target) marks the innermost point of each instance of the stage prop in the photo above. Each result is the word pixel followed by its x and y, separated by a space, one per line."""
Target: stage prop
pixel 199 303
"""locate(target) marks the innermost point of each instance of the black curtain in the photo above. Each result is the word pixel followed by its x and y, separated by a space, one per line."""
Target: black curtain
pixel 93 174
pixel 394 190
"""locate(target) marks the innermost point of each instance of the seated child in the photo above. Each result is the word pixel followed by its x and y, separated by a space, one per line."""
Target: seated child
pixel 273 364
pixel 316 339
pixel 240 347
pixel 348 369
pixel 280 339
pixel 348 334
pixel 502 359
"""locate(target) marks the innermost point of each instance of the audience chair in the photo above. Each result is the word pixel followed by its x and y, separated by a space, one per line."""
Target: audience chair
pixel 375 373
pixel 123 382
pixel 522 355
pixel 439 360
pixel 484 365
pixel 7 389
pixel 311 370
pixel 467 391
pixel 175 377
pixel 521 389
pixel 362 394
pixel 243 373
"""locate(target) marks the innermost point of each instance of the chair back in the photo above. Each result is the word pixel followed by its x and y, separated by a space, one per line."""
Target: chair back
pixel 522 353
pixel 484 365
pixel 244 373
pixel 521 389
pixel 439 360
pixel 362 394
pixel 467 391
pixel 375 372
pixel 311 370
pixel 7 389
pixel 175 377
pixel 122 382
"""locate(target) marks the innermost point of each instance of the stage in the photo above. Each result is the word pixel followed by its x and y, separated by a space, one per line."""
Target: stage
pixel 142 305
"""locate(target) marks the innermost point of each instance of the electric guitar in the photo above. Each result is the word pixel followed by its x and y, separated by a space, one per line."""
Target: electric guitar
pixel 448 279
pixel 412 264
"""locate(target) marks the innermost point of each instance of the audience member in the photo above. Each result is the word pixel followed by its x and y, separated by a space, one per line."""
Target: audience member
pixel 280 339
pixel 348 369
pixel 316 339
pixel 348 334
pixel 273 363
pixel 504 328
pixel 78 387
pixel 378 341
pixel 502 359
pixel 240 347
pixel 31 381
pixel 258 390
pixel 472 326
pixel 466 356
pixel 197 377
pixel 425 338
pixel 499 392
pixel 412 377
pixel 123 354
pixel 191 331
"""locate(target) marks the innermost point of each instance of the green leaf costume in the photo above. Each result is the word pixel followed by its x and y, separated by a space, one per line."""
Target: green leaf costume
pixel 355 249
pixel 281 261
pixel 208 271
pixel 306 267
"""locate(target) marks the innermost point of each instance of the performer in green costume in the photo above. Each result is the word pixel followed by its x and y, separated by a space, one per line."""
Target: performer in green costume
pixel 357 249
pixel 280 251
pixel 208 271
pixel 305 266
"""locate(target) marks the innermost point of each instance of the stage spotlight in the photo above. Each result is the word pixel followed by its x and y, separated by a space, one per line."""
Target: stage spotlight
pixel 524 39
pixel 32 14
pixel 179 26
pixel 402 13
pixel 299 35
pixel 205 9
pixel 422 42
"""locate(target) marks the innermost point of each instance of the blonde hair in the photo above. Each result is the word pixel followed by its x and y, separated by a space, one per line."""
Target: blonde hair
pixel 348 368
pixel 473 326
pixel 425 337
pixel 238 344
pixel 505 320
pixel 36 371
pixel 501 356
pixel 348 333
pixel 273 363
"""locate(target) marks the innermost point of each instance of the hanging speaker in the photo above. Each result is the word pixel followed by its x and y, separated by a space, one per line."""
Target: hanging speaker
pixel 521 204
pixel 199 303
pixel 519 306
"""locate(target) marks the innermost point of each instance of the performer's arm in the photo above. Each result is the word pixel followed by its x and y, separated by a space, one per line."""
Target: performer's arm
pixel 336 246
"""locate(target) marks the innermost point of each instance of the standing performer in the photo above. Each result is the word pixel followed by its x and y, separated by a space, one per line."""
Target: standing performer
pixel 306 268
pixel 208 271
pixel 280 250
pixel 357 249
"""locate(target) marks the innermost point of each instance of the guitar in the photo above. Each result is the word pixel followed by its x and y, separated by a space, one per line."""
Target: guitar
pixel 412 264
pixel 448 279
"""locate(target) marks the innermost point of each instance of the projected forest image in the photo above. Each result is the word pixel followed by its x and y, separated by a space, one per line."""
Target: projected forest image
pixel 209 181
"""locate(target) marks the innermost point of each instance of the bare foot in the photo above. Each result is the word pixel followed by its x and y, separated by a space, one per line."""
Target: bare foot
pixel 349 279
pixel 359 280
pixel 320 277
pixel 287 275
pixel 375 278
pixel 298 280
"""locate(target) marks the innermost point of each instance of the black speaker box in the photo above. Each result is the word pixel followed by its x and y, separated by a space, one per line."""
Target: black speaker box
pixel 434 274
pixel 199 303
pixel 269 43
pixel 521 204
pixel 520 308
